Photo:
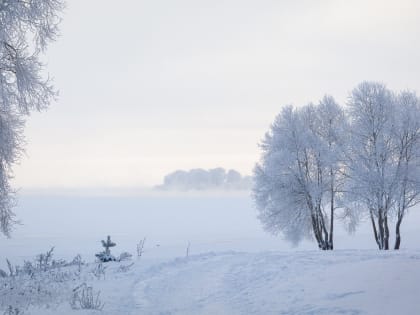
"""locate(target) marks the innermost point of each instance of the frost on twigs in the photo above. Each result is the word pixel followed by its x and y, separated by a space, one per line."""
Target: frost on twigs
pixel 106 256
pixel 140 248
pixel 45 260
pixel 26 28
pixel 39 282
pixel 84 297
pixel 323 162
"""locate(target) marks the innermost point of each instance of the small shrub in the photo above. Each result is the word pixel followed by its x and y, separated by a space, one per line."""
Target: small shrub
pixel 44 261
pixel 41 281
pixel 77 260
pixel 106 256
pixel 84 297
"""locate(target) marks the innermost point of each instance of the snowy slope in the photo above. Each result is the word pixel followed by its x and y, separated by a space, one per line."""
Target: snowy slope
pixel 310 282
pixel 343 282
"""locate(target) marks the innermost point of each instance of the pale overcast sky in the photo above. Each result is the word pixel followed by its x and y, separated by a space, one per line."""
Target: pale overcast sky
pixel 148 87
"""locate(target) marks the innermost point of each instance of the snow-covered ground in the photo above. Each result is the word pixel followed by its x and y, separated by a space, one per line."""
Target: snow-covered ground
pixel 234 267
pixel 307 282
pixel 343 282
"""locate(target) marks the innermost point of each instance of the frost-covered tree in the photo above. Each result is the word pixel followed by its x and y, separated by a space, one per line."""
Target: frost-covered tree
pixel 406 135
pixel 370 158
pixel 383 160
pixel 26 27
pixel 299 174
pixel 317 159
pixel 330 129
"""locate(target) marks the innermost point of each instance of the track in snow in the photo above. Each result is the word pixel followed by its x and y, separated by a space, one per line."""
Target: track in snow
pixel 340 282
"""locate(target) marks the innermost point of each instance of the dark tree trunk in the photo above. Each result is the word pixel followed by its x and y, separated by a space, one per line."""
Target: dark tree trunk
pixel 316 231
pixel 326 238
pixel 397 233
pixel 375 231
pixel 381 230
pixel 321 234
pixel 320 231
pixel 386 233
pixel 331 244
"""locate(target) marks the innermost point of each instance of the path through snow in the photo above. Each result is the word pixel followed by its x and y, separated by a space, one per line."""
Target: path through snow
pixel 231 283
pixel 341 282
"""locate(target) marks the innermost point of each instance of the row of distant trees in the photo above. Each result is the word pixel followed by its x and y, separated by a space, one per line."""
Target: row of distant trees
pixel 323 162
pixel 200 179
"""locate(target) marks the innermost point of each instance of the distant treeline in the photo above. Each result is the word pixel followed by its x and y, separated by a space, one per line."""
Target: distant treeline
pixel 200 179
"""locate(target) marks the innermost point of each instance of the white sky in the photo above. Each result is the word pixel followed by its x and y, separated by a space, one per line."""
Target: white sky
pixel 148 87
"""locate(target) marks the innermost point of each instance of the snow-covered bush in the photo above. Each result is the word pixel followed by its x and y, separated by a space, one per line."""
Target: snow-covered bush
pixel 21 291
pixel 43 281
pixel 44 261
pixel 84 297
pixel 106 256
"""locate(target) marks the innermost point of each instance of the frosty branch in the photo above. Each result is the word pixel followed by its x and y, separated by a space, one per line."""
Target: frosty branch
pixel 26 28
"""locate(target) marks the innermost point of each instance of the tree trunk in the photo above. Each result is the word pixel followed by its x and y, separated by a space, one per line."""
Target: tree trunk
pixel 331 244
pixel 383 230
pixel 386 233
pixel 326 237
pixel 375 231
pixel 397 234
pixel 320 231
pixel 315 230
pixel 331 236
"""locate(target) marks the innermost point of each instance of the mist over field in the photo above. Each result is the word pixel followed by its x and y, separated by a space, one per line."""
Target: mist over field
pixel 211 221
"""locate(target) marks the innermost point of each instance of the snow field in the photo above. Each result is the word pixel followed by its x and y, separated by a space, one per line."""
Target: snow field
pixel 310 282
pixel 342 282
